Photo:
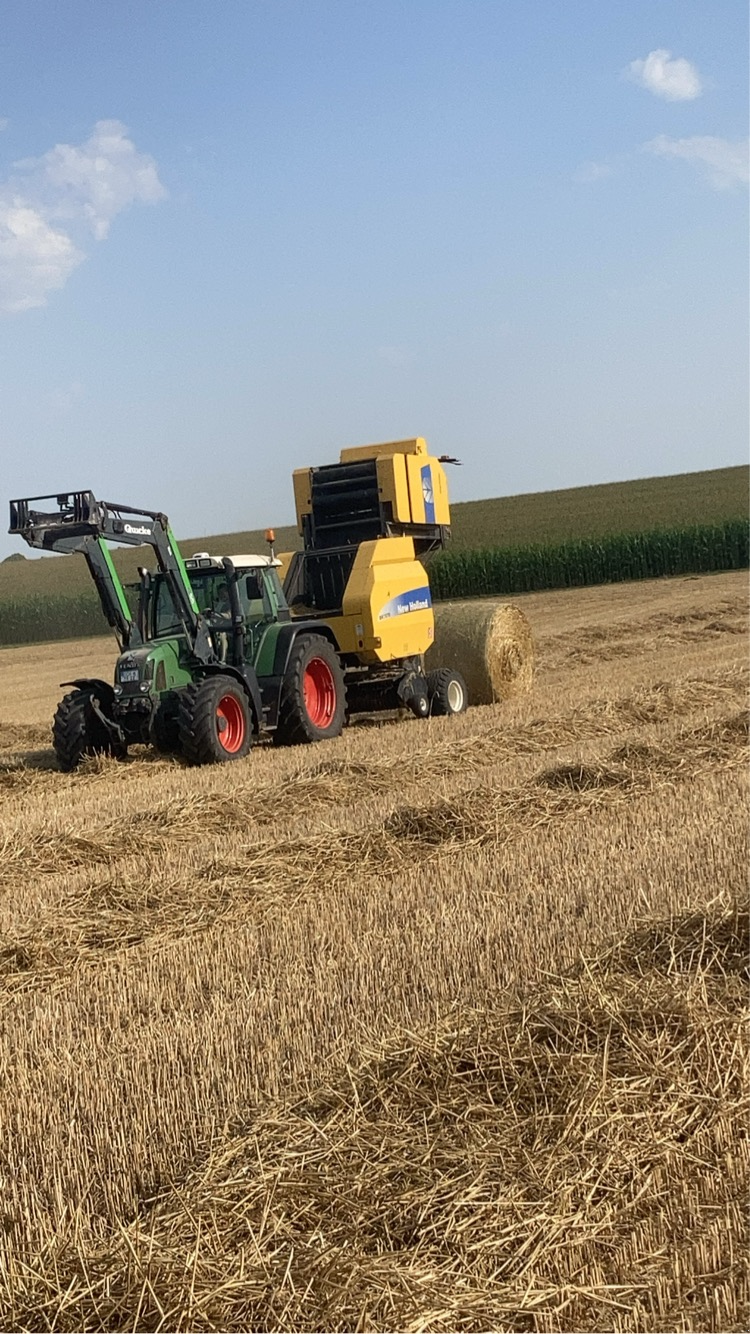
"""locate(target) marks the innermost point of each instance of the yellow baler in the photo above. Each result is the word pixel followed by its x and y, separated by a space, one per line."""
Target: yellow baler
pixel 365 521
pixel 386 611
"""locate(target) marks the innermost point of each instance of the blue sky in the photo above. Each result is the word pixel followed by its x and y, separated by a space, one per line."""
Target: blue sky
pixel 236 237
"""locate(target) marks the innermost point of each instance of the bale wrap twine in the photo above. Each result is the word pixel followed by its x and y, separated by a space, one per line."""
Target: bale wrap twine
pixel 489 643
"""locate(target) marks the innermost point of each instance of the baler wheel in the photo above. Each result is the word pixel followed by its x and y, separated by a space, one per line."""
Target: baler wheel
pixel 447 691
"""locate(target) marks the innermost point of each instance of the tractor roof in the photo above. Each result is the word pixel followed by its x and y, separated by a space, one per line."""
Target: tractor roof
pixel 243 562
pixel 201 560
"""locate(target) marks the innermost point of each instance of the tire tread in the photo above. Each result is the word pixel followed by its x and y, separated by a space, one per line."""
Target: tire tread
pixel 438 682
pixel 196 721
pixel 76 733
pixel 294 727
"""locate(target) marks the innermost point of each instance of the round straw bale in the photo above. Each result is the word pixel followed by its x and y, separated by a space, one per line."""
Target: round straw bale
pixel 489 643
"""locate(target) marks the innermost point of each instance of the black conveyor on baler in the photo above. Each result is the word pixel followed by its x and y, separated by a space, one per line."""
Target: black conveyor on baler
pixel 346 506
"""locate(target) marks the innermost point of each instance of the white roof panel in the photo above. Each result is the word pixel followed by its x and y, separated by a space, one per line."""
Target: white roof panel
pixel 202 560
pixel 253 562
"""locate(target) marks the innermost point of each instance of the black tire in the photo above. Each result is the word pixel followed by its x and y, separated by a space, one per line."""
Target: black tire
pixel 447 691
pixel 164 733
pixel 77 731
pixel 214 722
pixel 318 712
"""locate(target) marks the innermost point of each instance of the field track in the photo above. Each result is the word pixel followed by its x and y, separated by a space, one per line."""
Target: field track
pixel 437 1026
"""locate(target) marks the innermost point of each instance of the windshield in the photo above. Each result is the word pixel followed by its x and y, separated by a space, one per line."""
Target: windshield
pixel 212 595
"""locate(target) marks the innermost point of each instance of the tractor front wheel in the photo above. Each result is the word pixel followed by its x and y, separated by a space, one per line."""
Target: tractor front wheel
pixel 78 731
pixel 312 705
pixel 164 733
pixel 447 691
pixel 214 721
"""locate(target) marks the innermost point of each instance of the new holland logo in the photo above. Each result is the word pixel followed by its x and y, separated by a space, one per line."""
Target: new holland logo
pixel 428 494
pixel 418 599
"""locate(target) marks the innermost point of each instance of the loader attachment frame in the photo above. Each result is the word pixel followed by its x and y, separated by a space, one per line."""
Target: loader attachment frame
pixel 84 524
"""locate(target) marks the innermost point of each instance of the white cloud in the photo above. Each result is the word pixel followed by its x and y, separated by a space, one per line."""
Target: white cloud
pixel 34 258
pixel 725 163
pixel 81 186
pixel 96 180
pixel 676 80
pixel 63 401
pixel 588 172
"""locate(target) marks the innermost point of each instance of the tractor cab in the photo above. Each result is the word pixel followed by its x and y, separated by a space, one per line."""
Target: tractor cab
pixel 227 590
pixel 238 600
pixel 259 590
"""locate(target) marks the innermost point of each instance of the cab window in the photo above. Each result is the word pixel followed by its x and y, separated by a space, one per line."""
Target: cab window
pixel 212 596
pixel 166 619
pixel 254 597
pixel 211 593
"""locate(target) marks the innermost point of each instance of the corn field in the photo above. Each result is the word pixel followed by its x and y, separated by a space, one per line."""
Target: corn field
pixel 36 619
pixel 621 557
pixel 39 617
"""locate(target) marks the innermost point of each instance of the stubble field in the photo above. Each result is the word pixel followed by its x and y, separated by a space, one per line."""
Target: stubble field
pixel 437 1026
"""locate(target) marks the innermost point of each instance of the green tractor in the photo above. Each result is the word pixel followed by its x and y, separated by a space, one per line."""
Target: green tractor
pixel 210 660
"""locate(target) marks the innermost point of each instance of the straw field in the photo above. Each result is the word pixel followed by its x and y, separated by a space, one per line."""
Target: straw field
pixel 436 1027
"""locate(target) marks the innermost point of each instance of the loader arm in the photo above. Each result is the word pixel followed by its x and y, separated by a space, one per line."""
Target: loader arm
pixel 84 524
pixel 111 592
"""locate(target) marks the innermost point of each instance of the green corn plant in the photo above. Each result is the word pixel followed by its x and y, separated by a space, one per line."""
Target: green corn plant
pixel 578 562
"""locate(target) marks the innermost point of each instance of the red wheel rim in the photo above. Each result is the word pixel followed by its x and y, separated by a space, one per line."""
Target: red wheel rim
pixel 230 724
pixel 320 693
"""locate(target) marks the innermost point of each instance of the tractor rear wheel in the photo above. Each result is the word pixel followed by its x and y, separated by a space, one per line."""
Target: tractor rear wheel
pixel 447 691
pixel 214 721
pixel 78 731
pixel 312 705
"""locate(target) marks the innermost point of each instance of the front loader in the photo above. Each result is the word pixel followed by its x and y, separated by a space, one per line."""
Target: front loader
pixel 210 659
pixel 218 652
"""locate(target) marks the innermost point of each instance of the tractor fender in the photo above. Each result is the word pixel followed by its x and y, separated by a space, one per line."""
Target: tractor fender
pixel 102 688
pixel 288 636
pixel 103 706
pixel 247 679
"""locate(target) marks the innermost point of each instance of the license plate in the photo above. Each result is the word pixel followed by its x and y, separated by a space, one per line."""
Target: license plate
pixel 130 674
